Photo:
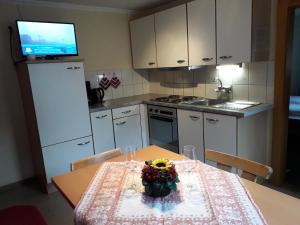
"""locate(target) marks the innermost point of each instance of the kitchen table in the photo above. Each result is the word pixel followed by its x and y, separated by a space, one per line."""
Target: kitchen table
pixel 277 208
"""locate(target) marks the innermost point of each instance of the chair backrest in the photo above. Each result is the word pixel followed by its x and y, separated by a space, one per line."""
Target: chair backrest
pixel 95 159
pixel 250 170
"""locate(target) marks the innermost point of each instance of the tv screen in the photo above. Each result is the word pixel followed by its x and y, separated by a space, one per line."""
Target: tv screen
pixel 47 39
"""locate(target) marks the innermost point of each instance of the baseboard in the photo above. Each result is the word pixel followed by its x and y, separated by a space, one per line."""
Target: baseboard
pixel 26 181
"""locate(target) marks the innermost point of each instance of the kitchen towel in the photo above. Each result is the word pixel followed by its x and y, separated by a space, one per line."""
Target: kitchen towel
pixel 205 195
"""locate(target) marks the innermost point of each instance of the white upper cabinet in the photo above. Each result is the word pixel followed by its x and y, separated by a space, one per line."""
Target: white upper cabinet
pixel 202 32
pixel 171 37
pixel 143 42
pixel 234 19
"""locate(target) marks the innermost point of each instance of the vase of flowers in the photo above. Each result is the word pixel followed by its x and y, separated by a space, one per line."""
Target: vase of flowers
pixel 159 177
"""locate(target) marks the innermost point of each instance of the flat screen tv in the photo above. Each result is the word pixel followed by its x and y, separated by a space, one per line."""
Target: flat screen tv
pixel 47 39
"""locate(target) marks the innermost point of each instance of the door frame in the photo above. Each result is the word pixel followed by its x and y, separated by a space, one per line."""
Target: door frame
pixel 285 9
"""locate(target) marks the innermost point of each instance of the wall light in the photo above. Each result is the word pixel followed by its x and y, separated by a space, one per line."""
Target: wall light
pixel 229 72
pixel 229 66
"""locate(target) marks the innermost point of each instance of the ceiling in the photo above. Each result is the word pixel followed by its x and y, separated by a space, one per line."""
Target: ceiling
pixel 118 4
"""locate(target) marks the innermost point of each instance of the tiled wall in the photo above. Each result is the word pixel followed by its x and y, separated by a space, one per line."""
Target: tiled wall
pixel 252 82
pixel 133 82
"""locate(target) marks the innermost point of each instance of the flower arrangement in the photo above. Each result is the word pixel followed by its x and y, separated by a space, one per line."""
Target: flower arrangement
pixel 159 177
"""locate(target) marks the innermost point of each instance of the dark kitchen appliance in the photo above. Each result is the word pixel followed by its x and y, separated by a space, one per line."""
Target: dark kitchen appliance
pixel 95 95
pixel 163 127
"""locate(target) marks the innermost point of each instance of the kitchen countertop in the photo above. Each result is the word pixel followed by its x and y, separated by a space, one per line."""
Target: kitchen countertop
pixel 146 99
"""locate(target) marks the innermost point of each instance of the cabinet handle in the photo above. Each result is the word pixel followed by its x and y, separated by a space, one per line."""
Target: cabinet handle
pixel 121 123
pixel 70 68
pixel 180 61
pixel 207 59
pixel 226 57
pixel 84 143
pixel 76 67
pixel 212 120
pixel 151 63
pixel 194 118
pixel 101 117
pixel 126 112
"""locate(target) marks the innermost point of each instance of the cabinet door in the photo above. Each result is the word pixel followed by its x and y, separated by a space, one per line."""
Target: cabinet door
pixel 190 131
pixel 234 19
pixel 126 111
pixel 60 101
pixel 58 158
pixel 143 42
pixel 103 132
pixel 128 131
pixel 220 133
pixel 202 32
pixel 171 37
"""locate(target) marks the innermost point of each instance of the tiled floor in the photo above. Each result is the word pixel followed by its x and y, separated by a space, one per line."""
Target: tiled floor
pixel 53 207
pixel 56 210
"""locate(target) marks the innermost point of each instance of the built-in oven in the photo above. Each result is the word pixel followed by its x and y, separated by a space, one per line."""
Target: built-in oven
pixel 163 129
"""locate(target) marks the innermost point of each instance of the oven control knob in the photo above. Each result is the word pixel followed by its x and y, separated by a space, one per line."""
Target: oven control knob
pixel 150 110
pixel 156 110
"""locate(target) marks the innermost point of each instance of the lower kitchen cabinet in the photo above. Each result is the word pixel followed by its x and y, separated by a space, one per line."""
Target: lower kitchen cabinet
pixel 128 131
pixel 244 137
pixel 190 131
pixel 103 131
pixel 220 133
pixel 58 158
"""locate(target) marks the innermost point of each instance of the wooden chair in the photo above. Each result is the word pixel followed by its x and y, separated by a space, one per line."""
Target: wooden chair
pixel 95 159
pixel 250 170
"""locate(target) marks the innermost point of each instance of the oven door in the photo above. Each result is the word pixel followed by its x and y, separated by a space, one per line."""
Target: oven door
pixel 163 132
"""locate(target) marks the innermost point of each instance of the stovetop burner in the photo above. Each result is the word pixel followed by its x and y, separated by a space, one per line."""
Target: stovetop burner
pixel 176 99
pixel 189 98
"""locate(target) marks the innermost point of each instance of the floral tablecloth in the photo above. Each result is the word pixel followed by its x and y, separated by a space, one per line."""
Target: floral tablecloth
pixel 205 195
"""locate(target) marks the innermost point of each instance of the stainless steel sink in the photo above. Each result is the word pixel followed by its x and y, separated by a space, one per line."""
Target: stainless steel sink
pixel 208 102
pixel 237 105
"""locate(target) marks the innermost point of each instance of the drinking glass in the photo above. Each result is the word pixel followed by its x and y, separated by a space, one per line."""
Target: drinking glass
pixel 189 151
pixel 129 154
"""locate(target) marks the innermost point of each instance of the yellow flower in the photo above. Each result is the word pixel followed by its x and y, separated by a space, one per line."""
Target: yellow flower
pixel 161 164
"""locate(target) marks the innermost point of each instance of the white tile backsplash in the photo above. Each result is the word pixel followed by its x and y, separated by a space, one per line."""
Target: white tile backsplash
pixel 242 77
pixel 258 93
pixel 240 92
pixel 188 89
pixel 199 90
pixel 127 77
pixel 254 82
pixel 138 89
pixel 133 82
pixel 118 92
pixel 258 72
pixel 201 82
pixel 210 91
pixel 146 88
pixel 178 89
pixel 108 93
pixel 128 90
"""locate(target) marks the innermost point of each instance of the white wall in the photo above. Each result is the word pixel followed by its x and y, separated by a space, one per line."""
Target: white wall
pixel 103 40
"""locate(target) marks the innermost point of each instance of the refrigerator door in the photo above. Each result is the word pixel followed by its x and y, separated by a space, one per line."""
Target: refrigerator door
pixel 60 101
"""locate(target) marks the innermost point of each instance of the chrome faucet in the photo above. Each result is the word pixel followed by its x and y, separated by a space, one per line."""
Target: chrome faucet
pixel 223 91
pixel 221 88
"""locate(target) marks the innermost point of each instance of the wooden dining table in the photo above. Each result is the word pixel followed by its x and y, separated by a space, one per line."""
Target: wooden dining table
pixel 276 207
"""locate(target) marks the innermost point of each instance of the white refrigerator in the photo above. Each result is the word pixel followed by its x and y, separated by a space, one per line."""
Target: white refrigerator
pixel 62 114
